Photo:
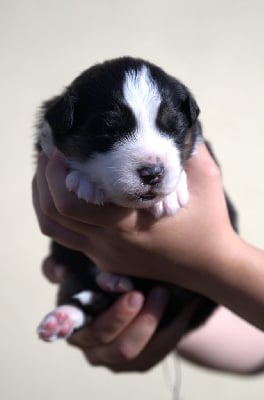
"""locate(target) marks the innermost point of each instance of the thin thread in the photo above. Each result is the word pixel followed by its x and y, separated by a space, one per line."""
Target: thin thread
pixel 172 375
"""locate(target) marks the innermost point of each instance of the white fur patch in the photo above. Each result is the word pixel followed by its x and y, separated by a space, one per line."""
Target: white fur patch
pixel 113 176
pixel 143 97
pixel 114 173
pixel 85 297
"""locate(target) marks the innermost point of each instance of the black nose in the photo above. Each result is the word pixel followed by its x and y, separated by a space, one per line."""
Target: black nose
pixel 151 174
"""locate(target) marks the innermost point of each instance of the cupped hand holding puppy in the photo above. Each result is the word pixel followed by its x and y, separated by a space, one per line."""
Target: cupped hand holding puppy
pixel 124 338
pixel 131 242
pixel 197 248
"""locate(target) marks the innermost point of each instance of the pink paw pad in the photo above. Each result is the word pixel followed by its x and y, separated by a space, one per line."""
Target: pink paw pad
pixel 60 323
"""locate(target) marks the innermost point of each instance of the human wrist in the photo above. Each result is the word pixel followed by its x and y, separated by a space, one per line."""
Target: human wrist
pixel 207 261
pixel 237 281
pixel 220 270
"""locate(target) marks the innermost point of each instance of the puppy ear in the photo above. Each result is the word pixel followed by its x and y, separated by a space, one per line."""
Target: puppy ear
pixel 60 112
pixel 191 109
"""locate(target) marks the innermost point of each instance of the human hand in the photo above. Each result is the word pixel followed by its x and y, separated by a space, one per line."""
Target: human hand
pixel 124 337
pixel 183 249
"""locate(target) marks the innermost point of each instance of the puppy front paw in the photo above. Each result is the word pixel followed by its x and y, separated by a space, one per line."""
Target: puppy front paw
pixel 174 201
pixel 166 207
pixel 182 190
pixel 80 184
pixel 177 199
pixel 157 210
pixel 171 204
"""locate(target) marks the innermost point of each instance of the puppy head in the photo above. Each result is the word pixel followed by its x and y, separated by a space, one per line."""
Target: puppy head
pixel 128 126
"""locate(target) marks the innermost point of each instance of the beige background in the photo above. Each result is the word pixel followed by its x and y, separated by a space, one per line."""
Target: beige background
pixel 217 49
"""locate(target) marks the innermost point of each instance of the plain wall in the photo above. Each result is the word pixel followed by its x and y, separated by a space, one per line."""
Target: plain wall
pixel 217 49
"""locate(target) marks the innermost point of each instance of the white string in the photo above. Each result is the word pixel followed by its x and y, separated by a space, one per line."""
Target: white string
pixel 172 374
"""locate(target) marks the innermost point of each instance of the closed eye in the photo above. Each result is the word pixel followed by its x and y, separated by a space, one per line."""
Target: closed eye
pixel 121 119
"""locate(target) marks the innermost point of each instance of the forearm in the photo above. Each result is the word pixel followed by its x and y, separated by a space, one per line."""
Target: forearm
pixel 196 248
pixel 227 343
pixel 238 282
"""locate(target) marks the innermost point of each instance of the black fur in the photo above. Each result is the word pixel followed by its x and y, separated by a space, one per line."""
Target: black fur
pixel 89 117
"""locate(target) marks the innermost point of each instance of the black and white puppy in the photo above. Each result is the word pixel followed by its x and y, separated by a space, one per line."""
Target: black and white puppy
pixel 126 128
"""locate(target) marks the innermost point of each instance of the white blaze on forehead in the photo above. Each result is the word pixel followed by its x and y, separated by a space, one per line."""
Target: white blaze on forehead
pixel 142 95
pixel 115 172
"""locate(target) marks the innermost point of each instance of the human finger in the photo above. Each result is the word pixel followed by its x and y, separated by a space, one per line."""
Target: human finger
pixel 160 345
pixel 201 166
pixel 167 338
pixel 45 199
pixel 132 340
pixel 70 206
pixel 107 326
pixel 114 283
pixel 53 271
pixel 56 231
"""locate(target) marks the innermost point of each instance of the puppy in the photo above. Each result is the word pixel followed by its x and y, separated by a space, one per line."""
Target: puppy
pixel 126 129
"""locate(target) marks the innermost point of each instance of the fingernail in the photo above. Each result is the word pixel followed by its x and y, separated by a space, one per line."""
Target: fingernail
pixel 124 285
pixel 135 301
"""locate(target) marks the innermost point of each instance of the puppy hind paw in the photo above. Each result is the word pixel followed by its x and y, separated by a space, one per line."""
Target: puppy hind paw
pixel 60 323
pixel 113 283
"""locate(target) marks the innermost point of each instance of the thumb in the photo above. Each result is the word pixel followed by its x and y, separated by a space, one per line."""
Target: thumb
pixel 202 170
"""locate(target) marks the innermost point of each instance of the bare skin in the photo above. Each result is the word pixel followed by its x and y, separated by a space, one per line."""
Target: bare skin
pixel 197 248
pixel 124 338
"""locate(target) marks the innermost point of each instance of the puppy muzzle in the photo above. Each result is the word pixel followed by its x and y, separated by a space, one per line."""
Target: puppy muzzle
pixel 151 174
